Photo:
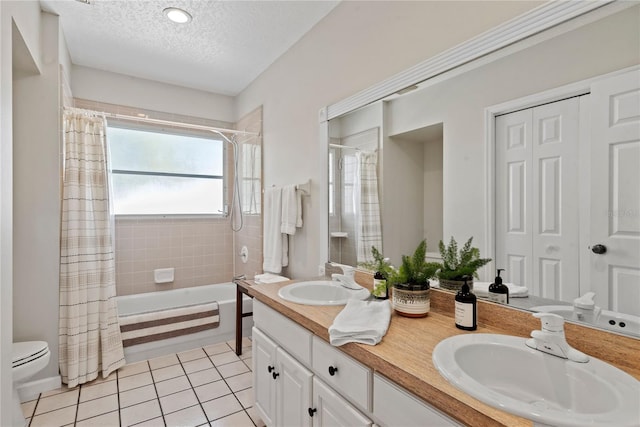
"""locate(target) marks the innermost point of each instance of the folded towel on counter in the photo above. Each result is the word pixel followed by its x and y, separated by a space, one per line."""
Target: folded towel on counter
pixel 481 289
pixel 269 278
pixel 364 322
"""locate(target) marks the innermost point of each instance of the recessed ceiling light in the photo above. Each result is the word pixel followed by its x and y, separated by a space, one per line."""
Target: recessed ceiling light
pixel 177 15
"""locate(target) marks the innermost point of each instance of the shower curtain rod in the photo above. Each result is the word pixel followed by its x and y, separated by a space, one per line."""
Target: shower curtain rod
pixel 168 123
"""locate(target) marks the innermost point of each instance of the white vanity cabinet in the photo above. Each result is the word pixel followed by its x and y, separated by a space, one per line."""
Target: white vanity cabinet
pixel 281 385
pixel 300 380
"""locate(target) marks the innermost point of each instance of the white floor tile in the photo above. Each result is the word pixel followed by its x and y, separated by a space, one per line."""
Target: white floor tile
pixel 56 418
pixel 133 369
pixel 28 407
pixel 154 422
pixel 221 407
pixel 253 413
pixel 139 413
pixel 192 416
pixel 161 362
pixel 97 407
pixel 224 358
pixel 187 356
pixel 177 401
pixel 239 419
pixel 173 385
pixel 167 373
pixel 137 395
pixel 57 401
pixel 232 369
pixel 240 382
pixel 90 392
pixel 197 365
pixel 212 391
pixel 217 348
pixel 246 397
pixel 204 377
pixel 134 381
pixel 105 420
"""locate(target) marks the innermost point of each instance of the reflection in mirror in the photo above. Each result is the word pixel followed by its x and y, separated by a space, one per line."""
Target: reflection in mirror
pixel 442 171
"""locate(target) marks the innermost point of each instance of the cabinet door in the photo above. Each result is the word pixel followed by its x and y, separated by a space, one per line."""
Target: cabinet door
pixel 331 410
pixel 264 386
pixel 293 391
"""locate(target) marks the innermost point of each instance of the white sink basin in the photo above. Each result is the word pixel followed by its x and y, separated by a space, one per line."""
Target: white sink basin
pixel 501 371
pixel 609 320
pixel 320 292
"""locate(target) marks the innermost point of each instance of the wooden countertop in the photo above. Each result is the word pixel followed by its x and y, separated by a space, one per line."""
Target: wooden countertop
pixel 404 354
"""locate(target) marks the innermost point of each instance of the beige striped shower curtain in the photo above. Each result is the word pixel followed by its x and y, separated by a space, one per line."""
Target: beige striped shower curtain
pixel 368 226
pixel 89 335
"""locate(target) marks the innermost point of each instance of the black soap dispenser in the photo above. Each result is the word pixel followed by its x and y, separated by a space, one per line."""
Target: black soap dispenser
pixel 466 310
pixel 498 291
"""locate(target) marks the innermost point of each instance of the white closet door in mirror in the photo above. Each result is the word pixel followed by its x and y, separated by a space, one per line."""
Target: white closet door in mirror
pixel 537 198
pixel 615 190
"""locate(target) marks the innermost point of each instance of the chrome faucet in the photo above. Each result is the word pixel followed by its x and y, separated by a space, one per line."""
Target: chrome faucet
pixel 347 279
pixel 585 308
pixel 550 339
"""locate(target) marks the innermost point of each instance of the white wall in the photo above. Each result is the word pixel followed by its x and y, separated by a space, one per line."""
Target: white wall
pixel 26 18
pixel 353 47
pixel 604 46
pixel 113 88
pixel 36 199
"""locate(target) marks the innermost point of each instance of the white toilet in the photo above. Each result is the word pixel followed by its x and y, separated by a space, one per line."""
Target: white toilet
pixel 28 358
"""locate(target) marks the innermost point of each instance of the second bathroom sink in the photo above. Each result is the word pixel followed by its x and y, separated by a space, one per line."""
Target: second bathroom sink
pixel 320 292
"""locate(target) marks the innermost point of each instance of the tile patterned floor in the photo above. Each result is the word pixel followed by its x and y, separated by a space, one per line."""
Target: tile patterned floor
pixel 208 386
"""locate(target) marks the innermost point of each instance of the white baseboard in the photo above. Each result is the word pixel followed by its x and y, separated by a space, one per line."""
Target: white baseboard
pixel 30 390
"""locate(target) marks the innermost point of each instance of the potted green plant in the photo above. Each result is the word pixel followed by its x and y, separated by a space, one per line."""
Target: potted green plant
pixel 382 269
pixel 411 283
pixel 458 265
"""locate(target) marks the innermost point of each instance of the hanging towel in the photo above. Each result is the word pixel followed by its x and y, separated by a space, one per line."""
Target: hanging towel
pixel 481 289
pixel 273 238
pixel 289 210
pixel 364 322
pixel 299 209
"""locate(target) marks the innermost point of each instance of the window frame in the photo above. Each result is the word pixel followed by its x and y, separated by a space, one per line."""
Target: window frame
pixel 178 131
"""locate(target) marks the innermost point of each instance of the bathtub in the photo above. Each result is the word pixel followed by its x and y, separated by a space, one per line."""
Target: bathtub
pixel 223 293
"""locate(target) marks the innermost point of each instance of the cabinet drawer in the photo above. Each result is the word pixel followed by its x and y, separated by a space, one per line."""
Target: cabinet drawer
pixel 293 337
pixel 393 406
pixel 350 378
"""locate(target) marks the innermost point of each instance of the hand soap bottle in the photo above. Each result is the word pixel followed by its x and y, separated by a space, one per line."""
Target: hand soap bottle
pixel 498 291
pixel 466 309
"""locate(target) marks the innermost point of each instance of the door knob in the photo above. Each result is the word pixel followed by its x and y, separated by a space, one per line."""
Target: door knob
pixel 275 375
pixel 312 411
pixel 332 370
pixel 270 368
pixel 599 249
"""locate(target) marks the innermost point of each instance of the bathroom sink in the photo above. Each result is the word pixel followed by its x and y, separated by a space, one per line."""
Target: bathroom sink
pixel 321 292
pixel 608 320
pixel 501 371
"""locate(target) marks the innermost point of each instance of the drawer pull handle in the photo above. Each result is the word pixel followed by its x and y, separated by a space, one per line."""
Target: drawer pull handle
pixel 332 370
pixel 312 411
pixel 275 375
pixel 270 368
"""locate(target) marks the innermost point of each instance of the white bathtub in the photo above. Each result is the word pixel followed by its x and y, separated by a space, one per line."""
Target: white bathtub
pixel 223 293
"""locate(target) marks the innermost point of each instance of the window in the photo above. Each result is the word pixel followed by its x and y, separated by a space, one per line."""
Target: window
pixel 160 173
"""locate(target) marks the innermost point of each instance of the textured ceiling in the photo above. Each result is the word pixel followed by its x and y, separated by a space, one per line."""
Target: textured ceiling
pixel 222 50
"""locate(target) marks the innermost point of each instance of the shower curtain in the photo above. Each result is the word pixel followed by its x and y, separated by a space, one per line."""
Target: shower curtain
pixel 368 228
pixel 89 333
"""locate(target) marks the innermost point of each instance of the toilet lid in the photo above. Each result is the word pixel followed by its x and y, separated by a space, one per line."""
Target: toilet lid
pixel 25 352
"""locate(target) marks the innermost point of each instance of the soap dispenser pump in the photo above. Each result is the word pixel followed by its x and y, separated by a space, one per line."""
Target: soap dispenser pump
pixel 498 291
pixel 466 309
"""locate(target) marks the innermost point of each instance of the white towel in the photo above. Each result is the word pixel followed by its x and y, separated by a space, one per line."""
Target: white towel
pixel 289 210
pixel 272 240
pixel 269 278
pixel 364 322
pixel 299 209
pixel 481 289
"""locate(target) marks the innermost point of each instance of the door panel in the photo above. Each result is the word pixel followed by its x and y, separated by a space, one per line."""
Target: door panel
pixel 615 189
pixel 264 358
pixel 293 392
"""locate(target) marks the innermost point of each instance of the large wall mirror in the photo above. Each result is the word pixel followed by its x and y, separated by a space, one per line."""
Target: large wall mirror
pixel 508 149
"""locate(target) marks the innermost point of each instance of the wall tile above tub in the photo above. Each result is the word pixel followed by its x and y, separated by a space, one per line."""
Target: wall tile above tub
pixel 200 250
